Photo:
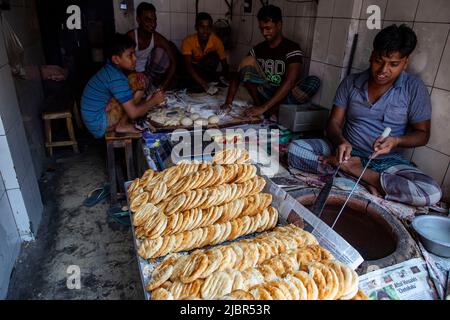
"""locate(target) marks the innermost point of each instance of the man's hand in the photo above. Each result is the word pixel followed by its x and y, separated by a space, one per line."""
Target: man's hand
pixel 344 152
pixel 158 98
pixel 255 111
pixel 141 81
pixel 224 109
pixel 138 95
pixel 384 146
pixel 329 160
pixel 212 90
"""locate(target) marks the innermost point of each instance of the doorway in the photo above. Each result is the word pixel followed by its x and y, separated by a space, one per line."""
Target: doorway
pixel 81 51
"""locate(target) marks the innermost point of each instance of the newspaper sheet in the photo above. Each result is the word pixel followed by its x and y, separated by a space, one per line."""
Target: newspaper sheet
pixel 408 280
pixel 290 210
pixel 439 270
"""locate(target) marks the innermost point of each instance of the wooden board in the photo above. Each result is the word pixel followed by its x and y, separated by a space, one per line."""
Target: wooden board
pixel 157 128
pixel 111 136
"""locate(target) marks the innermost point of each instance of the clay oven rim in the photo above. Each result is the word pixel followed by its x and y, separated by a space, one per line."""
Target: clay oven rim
pixel 393 225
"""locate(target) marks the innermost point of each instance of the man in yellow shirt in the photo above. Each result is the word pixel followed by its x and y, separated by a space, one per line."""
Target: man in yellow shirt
pixel 203 51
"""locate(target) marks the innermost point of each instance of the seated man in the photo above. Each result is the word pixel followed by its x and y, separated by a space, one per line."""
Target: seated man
pixel 99 112
pixel 203 51
pixel 156 60
pixel 366 103
pixel 271 71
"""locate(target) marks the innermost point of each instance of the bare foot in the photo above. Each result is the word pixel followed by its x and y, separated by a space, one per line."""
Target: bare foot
pixel 374 191
pixel 353 166
pixel 127 128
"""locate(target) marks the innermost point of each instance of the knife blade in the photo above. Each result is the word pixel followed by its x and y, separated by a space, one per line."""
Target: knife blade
pixel 322 198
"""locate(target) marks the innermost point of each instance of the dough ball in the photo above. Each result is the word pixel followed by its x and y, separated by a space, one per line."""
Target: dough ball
pixel 159 119
pixel 213 120
pixel 201 122
pixel 187 122
pixel 195 117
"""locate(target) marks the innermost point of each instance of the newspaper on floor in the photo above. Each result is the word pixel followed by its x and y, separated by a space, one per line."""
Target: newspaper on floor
pixel 447 293
pixel 439 270
pixel 290 209
pixel 408 280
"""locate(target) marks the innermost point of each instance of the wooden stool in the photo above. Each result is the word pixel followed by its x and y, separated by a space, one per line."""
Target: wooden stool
pixel 120 141
pixel 48 117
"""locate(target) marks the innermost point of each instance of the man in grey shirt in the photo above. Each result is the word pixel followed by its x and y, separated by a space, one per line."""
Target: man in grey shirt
pixel 367 103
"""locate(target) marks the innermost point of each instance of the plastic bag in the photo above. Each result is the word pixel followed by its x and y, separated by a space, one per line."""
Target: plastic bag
pixel 14 49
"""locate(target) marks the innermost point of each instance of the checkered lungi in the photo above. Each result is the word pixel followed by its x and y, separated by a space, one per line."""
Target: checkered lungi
pixel 157 66
pixel 401 181
pixel 251 72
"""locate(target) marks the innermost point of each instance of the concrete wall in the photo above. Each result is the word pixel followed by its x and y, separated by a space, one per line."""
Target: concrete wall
pixel 430 19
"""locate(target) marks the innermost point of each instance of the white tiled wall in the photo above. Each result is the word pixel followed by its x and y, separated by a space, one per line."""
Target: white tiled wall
pixel 334 31
pixel 298 25
pixel 7 165
pixel 9 107
pixel 321 39
pixel 23 19
pixel 9 241
pixel 20 113
pixel 124 20
pixel 440 137
pixel 3 56
pixel 176 18
pixel 426 59
pixel 433 11
pixel 401 10
pixel 442 78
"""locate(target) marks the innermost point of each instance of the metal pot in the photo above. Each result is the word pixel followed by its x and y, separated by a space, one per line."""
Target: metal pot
pixel 434 232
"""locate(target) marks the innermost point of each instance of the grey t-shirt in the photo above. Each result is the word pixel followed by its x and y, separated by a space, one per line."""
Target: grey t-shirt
pixel 406 102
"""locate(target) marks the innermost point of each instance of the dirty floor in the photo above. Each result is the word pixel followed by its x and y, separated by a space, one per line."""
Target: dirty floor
pixel 72 235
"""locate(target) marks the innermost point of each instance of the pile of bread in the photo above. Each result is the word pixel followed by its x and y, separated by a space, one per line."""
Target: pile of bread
pixel 285 264
pixel 177 117
pixel 194 205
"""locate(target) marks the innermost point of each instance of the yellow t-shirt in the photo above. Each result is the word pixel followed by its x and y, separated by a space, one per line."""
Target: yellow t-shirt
pixel 191 47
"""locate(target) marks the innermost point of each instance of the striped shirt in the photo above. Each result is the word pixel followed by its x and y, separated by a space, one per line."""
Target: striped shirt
pixel 274 61
pixel 109 82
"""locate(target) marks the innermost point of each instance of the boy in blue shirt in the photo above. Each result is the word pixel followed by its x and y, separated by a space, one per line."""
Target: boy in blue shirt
pixel 108 102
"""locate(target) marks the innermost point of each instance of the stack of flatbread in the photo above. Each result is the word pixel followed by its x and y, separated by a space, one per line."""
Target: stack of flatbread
pixel 198 204
pixel 285 264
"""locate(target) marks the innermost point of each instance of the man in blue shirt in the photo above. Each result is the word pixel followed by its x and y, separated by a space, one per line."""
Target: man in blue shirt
pixel 111 85
pixel 367 103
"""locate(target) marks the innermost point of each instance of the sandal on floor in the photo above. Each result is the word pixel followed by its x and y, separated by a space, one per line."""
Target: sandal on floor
pixel 120 215
pixel 97 196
